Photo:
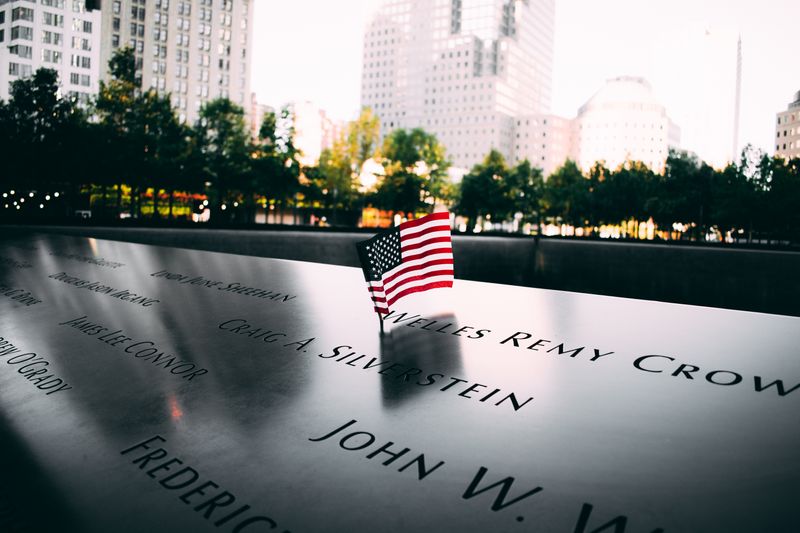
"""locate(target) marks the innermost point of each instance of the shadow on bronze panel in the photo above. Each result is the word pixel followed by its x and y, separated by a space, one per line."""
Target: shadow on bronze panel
pixel 437 354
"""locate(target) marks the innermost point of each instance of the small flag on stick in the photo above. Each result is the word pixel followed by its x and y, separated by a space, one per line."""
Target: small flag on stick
pixel 413 257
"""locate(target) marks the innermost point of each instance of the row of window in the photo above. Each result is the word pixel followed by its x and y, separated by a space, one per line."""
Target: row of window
pixel 605 125
pixel 48 56
pixel 25 33
pixel 26 13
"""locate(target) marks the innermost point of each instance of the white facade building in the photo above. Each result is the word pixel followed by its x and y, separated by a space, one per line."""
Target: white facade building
pixel 195 50
pixel 547 141
pixel 463 70
pixel 623 121
pixel 62 35
pixel 787 130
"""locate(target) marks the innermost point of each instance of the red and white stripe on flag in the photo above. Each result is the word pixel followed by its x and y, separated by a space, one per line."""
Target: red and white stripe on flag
pixel 426 252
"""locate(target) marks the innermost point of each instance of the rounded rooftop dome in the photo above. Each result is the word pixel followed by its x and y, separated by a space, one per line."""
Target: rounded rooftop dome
pixel 629 92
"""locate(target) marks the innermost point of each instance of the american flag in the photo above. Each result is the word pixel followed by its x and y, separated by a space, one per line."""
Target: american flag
pixel 413 257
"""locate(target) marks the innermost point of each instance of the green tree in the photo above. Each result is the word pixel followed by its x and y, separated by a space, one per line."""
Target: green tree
pixel 119 130
pixel 42 134
pixel 523 190
pixel 362 138
pixel 165 147
pixel 732 195
pixel 276 169
pixel 416 172
pixel 482 190
pixel 338 180
pixel 566 195
pixel 625 193
pixel 340 165
pixel 783 199
pixel 223 140
pixel 684 193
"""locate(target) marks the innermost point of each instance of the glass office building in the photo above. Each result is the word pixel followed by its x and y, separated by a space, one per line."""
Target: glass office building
pixel 464 70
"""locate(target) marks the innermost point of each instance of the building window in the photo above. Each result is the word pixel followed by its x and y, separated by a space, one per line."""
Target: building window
pixel 52 19
pixel 22 13
pixel 21 50
pixel 49 37
pixel 81 61
pixel 22 32
pixel 51 56
pixel 16 69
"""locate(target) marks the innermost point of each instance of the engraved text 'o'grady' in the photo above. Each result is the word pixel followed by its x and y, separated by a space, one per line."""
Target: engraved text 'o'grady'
pixel 32 367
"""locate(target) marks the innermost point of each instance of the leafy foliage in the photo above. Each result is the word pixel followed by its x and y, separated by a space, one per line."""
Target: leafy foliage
pixel 128 143
pixel 416 172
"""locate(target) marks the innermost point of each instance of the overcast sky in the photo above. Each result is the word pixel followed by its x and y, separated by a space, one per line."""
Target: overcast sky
pixel 311 50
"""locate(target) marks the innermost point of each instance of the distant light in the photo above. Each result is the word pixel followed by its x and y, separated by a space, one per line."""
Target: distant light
pixel 12 191
pixel 15 202
pixel 47 197
pixel 21 200
pixel 17 207
pixel 5 195
pixel 224 207
pixel 41 206
pixel 6 206
pixel 235 204
pixel 30 194
pixel 55 194
pixel 205 202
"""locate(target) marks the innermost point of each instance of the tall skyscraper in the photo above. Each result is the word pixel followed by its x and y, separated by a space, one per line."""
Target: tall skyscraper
pixel 787 130
pixel 196 50
pixel 461 69
pixel 56 34
pixel 737 100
